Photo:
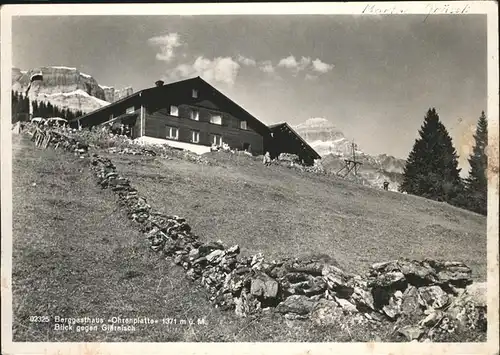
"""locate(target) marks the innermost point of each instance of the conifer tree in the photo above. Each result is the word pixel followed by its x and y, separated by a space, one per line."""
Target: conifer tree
pixel 432 169
pixel 476 184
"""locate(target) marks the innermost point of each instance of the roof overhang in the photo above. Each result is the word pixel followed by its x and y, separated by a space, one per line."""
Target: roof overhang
pixel 286 127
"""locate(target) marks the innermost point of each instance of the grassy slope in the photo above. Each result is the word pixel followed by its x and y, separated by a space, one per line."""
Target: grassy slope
pixel 281 212
pixel 76 255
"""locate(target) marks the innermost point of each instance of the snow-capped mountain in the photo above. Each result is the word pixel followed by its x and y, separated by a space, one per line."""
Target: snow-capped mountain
pixel 66 87
pixel 324 137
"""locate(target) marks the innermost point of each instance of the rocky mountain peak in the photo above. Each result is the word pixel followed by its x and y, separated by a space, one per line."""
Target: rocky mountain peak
pixel 318 129
pixel 66 87
pixel 331 143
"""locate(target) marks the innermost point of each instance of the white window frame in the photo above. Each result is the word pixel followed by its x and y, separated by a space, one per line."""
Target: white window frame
pixel 212 121
pixel 243 125
pixel 194 93
pixel 170 131
pixel 130 109
pixel 174 110
pixel 195 115
pixel 195 137
pixel 214 139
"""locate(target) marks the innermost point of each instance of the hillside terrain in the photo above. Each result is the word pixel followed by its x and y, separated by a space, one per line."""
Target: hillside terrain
pixel 281 212
pixel 75 254
pixel 93 264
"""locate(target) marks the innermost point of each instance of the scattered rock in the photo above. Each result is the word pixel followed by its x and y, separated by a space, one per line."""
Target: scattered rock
pixel 410 304
pixel 298 304
pixel 346 305
pixel 326 312
pixel 433 297
pixel 264 286
pixel 411 332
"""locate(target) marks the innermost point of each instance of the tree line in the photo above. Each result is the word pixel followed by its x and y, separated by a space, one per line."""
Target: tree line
pixel 20 109
pixel 432 171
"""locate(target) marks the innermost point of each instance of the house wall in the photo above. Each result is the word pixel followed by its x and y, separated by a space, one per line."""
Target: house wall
pixel 106 113
pixel 158 118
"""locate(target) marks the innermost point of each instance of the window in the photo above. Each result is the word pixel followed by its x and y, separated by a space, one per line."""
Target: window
pixel 216 139
pixel 243 124
pixel 195 136
pixel 172 133
pixel 130 110
pixel 195 115
pixel 216 119
pixel 194 93
pixel 174 111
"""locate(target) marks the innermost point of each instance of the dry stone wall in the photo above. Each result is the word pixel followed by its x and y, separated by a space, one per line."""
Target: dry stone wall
pixel 435 295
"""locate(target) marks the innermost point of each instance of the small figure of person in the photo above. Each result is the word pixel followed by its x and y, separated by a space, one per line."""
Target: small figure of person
pixel 386 185
pixel 267 159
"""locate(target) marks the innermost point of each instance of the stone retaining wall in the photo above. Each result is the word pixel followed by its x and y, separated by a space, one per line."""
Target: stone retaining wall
pixel 437 293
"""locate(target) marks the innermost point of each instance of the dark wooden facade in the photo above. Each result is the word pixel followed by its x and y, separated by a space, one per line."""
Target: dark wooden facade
pixel 148 113
pixel 158 117
pixel 286 140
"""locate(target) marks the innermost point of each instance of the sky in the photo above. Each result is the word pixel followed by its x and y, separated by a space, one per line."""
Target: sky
pixel 373 77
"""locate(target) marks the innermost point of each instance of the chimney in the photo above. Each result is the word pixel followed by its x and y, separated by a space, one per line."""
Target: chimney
pixel 159 83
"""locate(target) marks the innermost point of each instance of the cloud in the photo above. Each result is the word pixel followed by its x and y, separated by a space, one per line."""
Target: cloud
pixel 288 62
pixel 266 66
pixel 291 63
pixel 321 67
pixel 246 61
pixel 167 44
pixel 220 69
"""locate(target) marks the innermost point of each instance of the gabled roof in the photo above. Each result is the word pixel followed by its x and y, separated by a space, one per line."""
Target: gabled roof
pixel 126 98
pixel 277 126
pixel 195 81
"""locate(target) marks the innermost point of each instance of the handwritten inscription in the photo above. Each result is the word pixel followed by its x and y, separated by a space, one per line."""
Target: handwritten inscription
pixel 430 9
pixel 375 9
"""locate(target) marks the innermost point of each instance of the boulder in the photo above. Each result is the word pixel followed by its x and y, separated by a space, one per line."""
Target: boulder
pixel 410 304
pixel 215 256
pixel 389 279
pixel 478 293
pixel 315 286
pixel 363 298
pixel 346 305
pixel 234 250
pixel 417 274
pixel 207 248
pixel 257 261
pixel 411 332
pixel 194 254
pixel 337 281
pixel 297 304
pixel 263 286
pixel 433 297
pixel 393 309
pixel 326 313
